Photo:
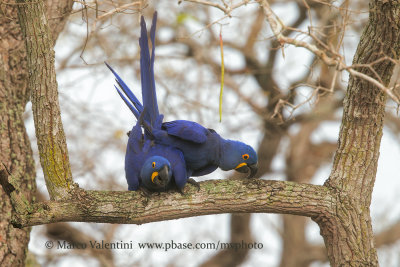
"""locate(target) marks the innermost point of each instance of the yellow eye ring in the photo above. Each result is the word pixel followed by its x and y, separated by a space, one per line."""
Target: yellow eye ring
pixel 245 156
pixel 153 164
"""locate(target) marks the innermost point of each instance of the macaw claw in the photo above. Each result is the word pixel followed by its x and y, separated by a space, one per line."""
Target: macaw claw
pixel 147 193
pixel 193 182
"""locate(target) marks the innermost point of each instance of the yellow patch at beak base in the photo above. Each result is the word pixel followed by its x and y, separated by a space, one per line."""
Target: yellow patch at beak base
pixel 153 175
pixel 241 165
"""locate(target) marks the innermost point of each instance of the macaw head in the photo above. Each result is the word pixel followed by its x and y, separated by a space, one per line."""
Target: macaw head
pixel 156 173
pixel 239 157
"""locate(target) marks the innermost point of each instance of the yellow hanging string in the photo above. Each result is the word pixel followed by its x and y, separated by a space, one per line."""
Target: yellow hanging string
pixel 222 77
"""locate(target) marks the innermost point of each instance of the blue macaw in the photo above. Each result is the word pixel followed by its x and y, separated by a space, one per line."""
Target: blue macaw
pixel 203 149
pixel 153 167
pixel 150 166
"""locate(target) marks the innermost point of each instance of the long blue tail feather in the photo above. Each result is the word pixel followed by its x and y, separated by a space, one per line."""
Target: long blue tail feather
pixel 131 96
pixel 151 113
pixel 133 99
pixel 128 103
pixel 152 79
pixel 147 71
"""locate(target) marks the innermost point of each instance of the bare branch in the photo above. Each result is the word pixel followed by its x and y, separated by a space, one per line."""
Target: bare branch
pixel 226 9
pixel 388 236
pixel 73 235
pixel 214 197
pixel 388 91
pixel 114 11
pixel 278 27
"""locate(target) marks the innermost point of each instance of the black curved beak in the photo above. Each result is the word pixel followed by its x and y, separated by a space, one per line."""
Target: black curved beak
pixel 251 169
pixel 162 177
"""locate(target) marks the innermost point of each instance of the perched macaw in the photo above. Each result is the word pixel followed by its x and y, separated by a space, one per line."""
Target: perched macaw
pixel 203 149
pixel 153 167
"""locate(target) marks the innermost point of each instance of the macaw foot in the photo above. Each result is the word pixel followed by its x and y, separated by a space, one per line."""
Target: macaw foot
pixel 193 182
pixel 180 190
pixel 146 192
pixel 189 181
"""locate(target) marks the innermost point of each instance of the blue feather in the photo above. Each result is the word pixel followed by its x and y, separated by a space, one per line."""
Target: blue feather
pixel 186 130
pixel 127 91
pixel 147 73
pixel 203 149
pixel 147 165
pixel 140 156
pixel 128 103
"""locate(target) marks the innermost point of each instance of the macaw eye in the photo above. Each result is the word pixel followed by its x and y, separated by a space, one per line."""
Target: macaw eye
pixel 153 164
pixel 245 156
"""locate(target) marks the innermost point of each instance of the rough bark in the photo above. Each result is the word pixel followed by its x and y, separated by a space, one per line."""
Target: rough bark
pixel 348 234
pixel 214 197
pixel 16 154
pixel 15 149
pixel 46 109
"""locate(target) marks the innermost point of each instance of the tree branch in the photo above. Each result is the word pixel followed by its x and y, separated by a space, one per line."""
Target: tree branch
pixel 7 187
pixel 388 236
pixel 44 95
pixel 356 159
pixel 214 197
pixel 226 9
pixel 64 231
pixel 384 238
pixel 57 14
pixel 278 28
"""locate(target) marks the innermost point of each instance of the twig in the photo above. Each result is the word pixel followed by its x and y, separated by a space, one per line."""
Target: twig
pixel 388 91
pixel 113 11
pixel 226 9
pixel 277 27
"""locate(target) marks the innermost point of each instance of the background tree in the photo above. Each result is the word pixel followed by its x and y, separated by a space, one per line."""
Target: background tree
pixel 16 153
pixel 268 101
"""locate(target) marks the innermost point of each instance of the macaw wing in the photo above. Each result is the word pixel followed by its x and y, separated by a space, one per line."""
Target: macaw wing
pixel 132 178
pixel 147 72
pixel 187 130
pixel 132 170
pixel 179 169
pixel 135 141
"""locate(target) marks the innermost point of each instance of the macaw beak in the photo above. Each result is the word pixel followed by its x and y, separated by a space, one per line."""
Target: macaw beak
pixel 161 177
pixel 245 168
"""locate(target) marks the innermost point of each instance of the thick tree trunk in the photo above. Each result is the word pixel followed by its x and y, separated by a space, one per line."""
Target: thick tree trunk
pixel 348 232
pixel 15 149
pixel 46 110
pixel 16 153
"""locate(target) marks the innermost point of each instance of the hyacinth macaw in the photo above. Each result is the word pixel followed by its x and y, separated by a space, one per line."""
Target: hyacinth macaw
pixel 203 149
pixel 150 166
